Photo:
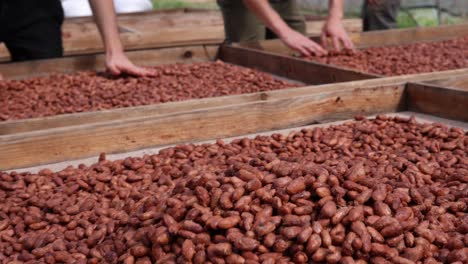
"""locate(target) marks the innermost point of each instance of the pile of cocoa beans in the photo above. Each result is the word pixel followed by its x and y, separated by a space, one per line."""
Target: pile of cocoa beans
pixel 386 190
pixel 403 59
pixel 92 91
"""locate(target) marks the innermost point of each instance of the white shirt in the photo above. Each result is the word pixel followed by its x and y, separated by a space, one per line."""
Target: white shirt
pixel 77 8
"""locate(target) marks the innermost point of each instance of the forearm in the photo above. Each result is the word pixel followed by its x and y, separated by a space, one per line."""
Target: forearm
pixel 335 9
pixel 263 10
pixel 106 21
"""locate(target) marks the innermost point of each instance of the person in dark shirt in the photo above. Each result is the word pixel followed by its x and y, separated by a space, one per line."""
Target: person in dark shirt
pixel 380 14
pixel 31 29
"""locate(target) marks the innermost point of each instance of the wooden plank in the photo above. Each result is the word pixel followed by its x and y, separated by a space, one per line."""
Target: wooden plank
pixel 376 38
pixel 444 102
pixel 293 68
pixel 351 25
pixel 142 40
pixel 421 118
pixel 149 57
pixel 34 148
pixel 96 62
pixel 141 30
pixel 296 70
pixel 34 124
pixel 410 35
pixel 460 82
pixel 330 73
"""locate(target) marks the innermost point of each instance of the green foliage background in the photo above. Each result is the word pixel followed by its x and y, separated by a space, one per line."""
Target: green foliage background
pixel 413 18
pixel 168 4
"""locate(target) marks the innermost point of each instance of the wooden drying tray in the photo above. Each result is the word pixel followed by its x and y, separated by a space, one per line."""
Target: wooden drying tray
pixel 158 28
pixel 286 67
pixel 460 82
pixel 275 110
pixel 58 166
pixel 289 68
pixel 368 39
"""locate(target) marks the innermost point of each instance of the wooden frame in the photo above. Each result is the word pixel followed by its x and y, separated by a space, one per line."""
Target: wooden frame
pixel 188 54
pixel 276 110
pixel 291 68
pixel 365 40
pixel 376 38
pixel 184 54
pixel 460 81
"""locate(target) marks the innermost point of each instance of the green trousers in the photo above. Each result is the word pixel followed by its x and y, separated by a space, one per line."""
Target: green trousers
pixel 241 25
pixel 380 16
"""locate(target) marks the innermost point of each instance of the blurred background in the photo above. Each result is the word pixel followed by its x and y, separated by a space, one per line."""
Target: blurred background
pixel 413 13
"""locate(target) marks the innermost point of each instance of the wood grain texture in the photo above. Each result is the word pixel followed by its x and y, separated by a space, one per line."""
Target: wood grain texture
pixel 155 29
pixel 186 54
pixel 293 68
pixel 433 100
pixel 460 82
pixel 150 57
pixel 409 35
pixel 34 124
pixel 376 38
pixel 422 118
pixel 42 147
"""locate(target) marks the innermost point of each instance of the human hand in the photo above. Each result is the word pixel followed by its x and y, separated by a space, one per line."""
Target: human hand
pixel 334 29
pixel 118 63
pixel 301 43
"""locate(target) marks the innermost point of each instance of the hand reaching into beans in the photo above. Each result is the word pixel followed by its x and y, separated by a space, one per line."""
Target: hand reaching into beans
pixel 119 63
pixel 334 29
pixel 303 44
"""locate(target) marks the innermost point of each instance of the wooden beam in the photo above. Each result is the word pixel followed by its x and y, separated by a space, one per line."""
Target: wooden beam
pixel 293 68
pixel 376 38
pixel 44 123
pixel 460 82
pixel 409 35
pixel 96 62
pixel 42 147
pixel 154 29
pixel 444 102
pixel 34 124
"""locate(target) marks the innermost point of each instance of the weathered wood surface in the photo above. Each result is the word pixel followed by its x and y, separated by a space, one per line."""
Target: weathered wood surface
pixel 437 101
pixel 377 38
pixel 185 54
pixel 460 82
pixel 143 30
pixel 54 145
pixel 333 73
pixel 423 118
pixel 293 68
pixel 28 125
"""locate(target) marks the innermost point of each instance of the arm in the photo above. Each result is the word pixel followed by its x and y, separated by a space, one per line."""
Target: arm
pixel 333 27
pixel 116 60
pixel 272 20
